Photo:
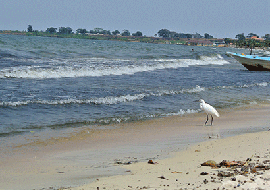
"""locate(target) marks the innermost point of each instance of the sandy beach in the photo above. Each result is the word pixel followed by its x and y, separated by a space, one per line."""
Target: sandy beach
pixel 184 170
pixel 116 157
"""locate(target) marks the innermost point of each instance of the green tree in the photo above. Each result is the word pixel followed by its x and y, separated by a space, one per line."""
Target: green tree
pixel 81 31
pixel 30 28
pixel 65 30
pixel 241 40
pixel 207 36
pixel 228 40
pixel 107 32
pixel 189 35
pixel 251 44
pixel 267 43
pixel 240 37
pixel 138 33
pixel 125 33
pixel 116 32
pixel 98 30
pixel 251 35
pixel 51 30
pixel 164 33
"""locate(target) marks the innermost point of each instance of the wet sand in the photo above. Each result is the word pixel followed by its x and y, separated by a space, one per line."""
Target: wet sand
pixel 106 157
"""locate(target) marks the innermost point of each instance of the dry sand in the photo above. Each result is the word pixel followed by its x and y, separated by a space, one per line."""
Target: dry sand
pixel 91 158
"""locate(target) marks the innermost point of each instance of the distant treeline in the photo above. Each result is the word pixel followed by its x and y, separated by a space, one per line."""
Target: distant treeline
pixel 143 39
pixel 163 36
pixel 165 33
pixel 250 41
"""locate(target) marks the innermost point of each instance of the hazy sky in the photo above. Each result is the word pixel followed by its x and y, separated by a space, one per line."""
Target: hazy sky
pixel 220 18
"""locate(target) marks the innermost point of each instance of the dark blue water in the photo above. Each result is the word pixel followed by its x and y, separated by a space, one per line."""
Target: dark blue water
pixel 51 83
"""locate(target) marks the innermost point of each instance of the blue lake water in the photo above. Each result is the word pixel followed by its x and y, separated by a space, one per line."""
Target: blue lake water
pixel 56 83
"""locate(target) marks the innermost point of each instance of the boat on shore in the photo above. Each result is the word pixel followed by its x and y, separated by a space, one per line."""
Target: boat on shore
pixel 252 62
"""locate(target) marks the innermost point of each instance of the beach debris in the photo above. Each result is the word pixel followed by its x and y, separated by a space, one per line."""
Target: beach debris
pixel 144 187
pixel 211 163
pixel 162 177
pixel 233 174
pixel 230 163
pixel 205 181
pixel 225 174
pixel 234 168
pixel 266 161
pixel 203 173
pixel 126 162
pixel 175 172
pixel 151 162
pixel 118 162
pixel 224 163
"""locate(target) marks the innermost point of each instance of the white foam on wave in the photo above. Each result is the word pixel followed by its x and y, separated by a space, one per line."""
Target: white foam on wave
pixel 215 60
pixel 95 67
pixel 103 100
pixel 14 104
pixel 115 100
pixel 196 89
pixel 183 112
pixel 262 84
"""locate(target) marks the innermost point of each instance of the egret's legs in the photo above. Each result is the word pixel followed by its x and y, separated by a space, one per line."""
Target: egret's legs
pixel 206 120
pixel 212 119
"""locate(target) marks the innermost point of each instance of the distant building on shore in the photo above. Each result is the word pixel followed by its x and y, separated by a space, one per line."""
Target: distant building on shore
pixel 257 38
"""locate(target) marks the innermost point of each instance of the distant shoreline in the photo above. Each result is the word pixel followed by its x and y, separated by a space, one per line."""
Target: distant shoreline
pixel 142 39
pixel 212 42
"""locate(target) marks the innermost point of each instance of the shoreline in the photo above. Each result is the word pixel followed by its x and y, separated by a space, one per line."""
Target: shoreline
pixel 89 154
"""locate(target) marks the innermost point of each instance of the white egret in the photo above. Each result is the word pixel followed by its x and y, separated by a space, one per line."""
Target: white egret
pixel 210 110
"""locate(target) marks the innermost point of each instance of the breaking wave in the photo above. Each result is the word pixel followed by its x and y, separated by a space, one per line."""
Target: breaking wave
pixel 109 100
pixel 183 112
pixel 105 100
pixel 262 84
pixel 95 67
